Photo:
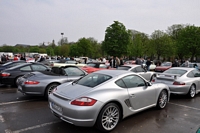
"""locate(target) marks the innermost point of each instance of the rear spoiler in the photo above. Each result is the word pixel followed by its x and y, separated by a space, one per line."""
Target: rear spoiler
pixel 167 75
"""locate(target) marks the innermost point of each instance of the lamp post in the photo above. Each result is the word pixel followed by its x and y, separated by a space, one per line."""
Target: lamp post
pixel 62 38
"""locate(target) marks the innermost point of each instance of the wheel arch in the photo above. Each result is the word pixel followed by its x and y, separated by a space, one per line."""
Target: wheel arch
pixel 117 103
pixel 49 85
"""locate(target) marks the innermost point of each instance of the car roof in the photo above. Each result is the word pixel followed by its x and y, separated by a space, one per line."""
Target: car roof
pixel 113 73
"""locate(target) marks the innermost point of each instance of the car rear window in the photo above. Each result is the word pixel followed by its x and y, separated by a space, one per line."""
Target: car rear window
pixel 93 79
pixel 175 71
pixel 123 68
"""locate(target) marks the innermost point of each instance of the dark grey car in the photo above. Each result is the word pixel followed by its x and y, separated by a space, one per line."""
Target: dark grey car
pixel 43 83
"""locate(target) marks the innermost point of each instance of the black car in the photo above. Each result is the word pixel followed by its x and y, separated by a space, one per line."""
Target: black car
pixel 9 76
pixel 11 64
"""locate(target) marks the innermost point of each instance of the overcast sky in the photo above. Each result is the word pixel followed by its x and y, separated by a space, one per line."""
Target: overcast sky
pixel 36 21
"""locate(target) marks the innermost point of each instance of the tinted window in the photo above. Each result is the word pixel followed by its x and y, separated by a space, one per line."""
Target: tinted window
pixel 192 73
pixel 93 79
pixel 139 69
pixel 166 64
pixel 73 71
pixel 133 81
pixel 36 67
pixel 120 83
pixel 175 71
pixel 123 68
pixel 26 68
pixel 91 64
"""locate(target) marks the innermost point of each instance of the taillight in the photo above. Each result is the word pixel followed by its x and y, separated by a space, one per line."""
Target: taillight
pixel 153 80
pixel 31 82
pixel 4 74
pixel 84 101
pixel 178 83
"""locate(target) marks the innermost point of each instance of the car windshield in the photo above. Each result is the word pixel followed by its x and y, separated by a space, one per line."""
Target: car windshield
pixel 123 68
pixel 175 71
pixel 166 64
pixel 93 79
pixel 71 62
pixel 91 64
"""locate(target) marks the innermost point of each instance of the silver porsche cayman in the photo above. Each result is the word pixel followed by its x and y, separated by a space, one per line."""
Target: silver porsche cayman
pixel 103 98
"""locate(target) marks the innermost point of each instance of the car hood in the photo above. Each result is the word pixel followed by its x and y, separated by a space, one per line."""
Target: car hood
pixel 71 90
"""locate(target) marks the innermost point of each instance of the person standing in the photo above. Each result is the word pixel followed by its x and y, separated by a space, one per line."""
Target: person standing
pixel 148 63
pixel 117 62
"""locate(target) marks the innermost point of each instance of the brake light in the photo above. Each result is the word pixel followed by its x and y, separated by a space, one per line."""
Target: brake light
pixel 178 83
pixel 5 74
pixel 84 101
pixel 153 80
pixel 31 82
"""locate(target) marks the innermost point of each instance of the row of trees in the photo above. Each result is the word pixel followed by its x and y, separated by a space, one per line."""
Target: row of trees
pixel 178 41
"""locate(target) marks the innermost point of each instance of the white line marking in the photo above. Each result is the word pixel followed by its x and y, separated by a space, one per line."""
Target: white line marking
pixel 33 127
pixel 17 102
pixel 184 106
pixel 1 118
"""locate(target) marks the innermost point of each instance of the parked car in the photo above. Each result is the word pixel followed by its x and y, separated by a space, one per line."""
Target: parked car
pixel 129 62
pixel 11 64
pixel 42 83
pixel 67 63
pixel 139 69
pixel 164 66
pixel 104 97
pixel 95 66
pixel 9 76
pixel 191 65
pixel 181 80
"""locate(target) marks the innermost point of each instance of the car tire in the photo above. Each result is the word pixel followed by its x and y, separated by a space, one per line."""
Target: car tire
pixel 108 117
pixel 49 89
pixel 192 91
pixel 162 99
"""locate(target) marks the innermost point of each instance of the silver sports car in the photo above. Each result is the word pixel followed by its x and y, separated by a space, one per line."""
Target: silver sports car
pixel 104 97
pixel 42 83
pixel 181 80
pixel 140 69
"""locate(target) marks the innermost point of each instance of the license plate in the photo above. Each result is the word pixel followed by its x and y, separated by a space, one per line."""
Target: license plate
pixel 56 107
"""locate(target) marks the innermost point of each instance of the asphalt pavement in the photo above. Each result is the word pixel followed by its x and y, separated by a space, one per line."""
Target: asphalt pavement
pixel 28 114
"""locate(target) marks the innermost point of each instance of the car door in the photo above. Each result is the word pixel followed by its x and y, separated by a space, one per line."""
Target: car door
pixel 140 95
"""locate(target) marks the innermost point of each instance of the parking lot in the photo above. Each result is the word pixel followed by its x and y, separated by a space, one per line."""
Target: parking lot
pixel 26 114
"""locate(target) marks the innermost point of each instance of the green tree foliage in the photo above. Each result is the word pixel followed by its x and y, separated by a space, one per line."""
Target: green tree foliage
pixel 162 44
pixel 64 50
pixel 34 49
pixel 139 47
pixel 117 39
pixel 189 40
pixel 73 50
pixel 84 47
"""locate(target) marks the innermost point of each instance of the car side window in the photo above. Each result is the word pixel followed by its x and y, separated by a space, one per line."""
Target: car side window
pixel 120 83
pixel 134 70
pixel 192 73
pixel 38 67
pixel 25 68
pixel 133 81
pixel 139 69
pixel 73 71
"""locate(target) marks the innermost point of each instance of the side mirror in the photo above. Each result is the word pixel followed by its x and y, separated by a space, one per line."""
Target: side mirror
pixel 148 83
